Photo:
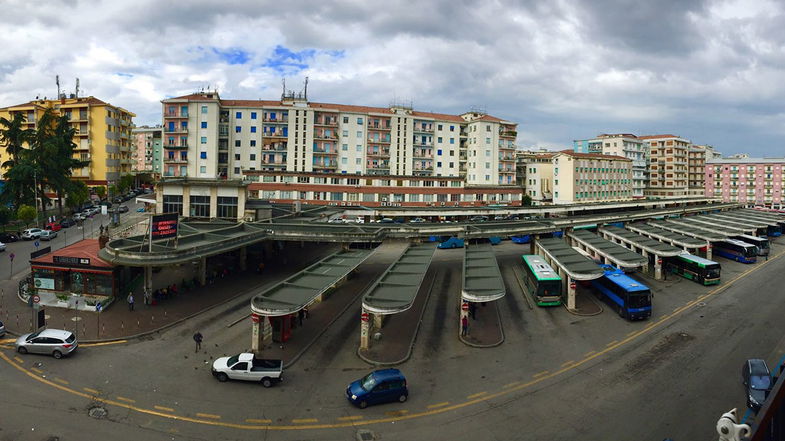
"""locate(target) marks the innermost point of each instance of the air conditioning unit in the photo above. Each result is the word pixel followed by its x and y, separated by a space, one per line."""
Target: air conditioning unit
pixel 384 199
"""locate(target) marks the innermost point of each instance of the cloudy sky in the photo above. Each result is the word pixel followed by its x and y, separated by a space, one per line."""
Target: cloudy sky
pixel 709 71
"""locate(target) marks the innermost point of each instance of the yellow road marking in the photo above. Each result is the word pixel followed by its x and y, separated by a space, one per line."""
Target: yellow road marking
pixel 127 400
pixel 258 421
pixel 567 363
pixel 167 409
pixel 589 353
pixel 350 418
pixel 392 416
pixel 509 385
pixel 540 374
pixel 7 340
pixel 478 394
pixel 61 381
pixel 36 370
pixel 632 333
pixel 395 413
pixel 106 343
pixel 19 360
pixel 677 309
pixel 442 404
pixel 92 391
pixel 304 420
pixel 612 343
pixel 208 415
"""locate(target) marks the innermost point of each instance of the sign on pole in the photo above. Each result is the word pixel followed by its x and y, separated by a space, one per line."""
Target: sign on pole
pixel 11 256
pixel 164 226
pixel 37 244
pixel 36 298
pixel 364 316
pixel 465 306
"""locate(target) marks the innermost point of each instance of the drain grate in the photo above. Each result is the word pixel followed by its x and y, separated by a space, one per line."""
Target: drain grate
pixel 97 412
pixel 365 435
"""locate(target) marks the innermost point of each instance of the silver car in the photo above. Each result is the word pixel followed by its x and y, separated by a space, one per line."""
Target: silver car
pixel 48 341
pixel 2 329
pixel 48 235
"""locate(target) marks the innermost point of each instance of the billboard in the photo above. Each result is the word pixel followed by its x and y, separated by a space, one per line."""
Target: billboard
pixel 164 226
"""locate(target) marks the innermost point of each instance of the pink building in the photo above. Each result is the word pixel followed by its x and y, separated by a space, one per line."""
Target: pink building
pixel 752 181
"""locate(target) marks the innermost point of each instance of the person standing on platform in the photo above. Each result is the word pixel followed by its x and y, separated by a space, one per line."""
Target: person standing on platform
pixel 464 326
pixel 198 339
pixel 130 301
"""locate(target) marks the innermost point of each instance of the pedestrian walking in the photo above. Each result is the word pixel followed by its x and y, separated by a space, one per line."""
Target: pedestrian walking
pixel 464 326
pixel 146 296
pixel 130 301
pixel 198 339
pixel 300 315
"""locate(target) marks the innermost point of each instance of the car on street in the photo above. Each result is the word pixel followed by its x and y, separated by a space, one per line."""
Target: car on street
pixel 417 220
pixel 756 377
pixel 247 367
pixel 31 233
pixel 118 200
pixel 2 329
pixel 54 226
pixel 48 235
pixel 140 210
pixel 336 220
pixel 123 209
pixel 56 342
pixel 2 246
pixel 9 237
pixel 380 386
pixel 67 223
pixel 386 220
pixel 79 216
pixel 478 219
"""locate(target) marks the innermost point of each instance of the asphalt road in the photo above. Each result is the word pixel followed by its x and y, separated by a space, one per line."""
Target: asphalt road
pixel 557 376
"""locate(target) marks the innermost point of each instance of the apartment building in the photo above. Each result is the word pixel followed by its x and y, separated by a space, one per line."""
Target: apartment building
pixel 103 133
pixel 697 157
pixel 147 151
pixel 754 181
pixel 535 174
pixel 209 137
pixel 591 177
pixel 625 145
pixel 668 166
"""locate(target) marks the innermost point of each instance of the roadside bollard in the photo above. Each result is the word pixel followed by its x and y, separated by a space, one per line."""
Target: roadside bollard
pixel 122 326
pixel 137 323
pixel 103 329
pixel 152 318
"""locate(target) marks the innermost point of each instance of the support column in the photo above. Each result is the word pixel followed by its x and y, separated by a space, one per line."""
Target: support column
pixel 657 268
pixel 378 321
pixel 570 294
pixel 201 271
pixel 256 332
pixel 645 268
pixel 243 258
pixel 365 331
pixel 708 250
pixel 148 280
pixel 533 243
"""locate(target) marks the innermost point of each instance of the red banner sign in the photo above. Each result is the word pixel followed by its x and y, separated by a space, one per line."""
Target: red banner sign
pixel 165 226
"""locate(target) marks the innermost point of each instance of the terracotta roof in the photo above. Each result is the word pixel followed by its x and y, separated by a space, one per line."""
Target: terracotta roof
pixel 658 136
pixel 592 155
pixel 87 248
pixel 249 103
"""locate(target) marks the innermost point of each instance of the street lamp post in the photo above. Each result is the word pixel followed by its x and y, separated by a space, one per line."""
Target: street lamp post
pixel 35 196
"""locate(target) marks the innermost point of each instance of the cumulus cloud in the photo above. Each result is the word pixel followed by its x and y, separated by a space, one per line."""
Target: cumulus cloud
pixel 708 70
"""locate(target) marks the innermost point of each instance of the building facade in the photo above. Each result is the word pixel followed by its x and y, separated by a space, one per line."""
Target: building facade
pixel 209 137
pixel 103 135
pixel 535 173
pixel 668 166
pixel 148 149
pixel 591 177
pixel 625 145
pixel 754 181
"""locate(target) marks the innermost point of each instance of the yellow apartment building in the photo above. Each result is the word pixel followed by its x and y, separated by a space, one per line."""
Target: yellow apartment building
pixel 103 135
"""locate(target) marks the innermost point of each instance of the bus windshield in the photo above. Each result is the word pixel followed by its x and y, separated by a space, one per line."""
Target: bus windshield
pixel 712 271
pixel 750 251
pixel 639 299
pixel 549 288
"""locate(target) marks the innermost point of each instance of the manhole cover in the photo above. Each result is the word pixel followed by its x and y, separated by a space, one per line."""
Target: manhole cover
pixel 97 412
pixel 365 435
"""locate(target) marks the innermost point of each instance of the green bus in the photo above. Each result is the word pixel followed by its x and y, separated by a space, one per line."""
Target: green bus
pixel 541 281
pixel 695 268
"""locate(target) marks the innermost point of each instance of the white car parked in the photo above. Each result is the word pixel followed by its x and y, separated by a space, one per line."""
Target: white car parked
pixel 31 233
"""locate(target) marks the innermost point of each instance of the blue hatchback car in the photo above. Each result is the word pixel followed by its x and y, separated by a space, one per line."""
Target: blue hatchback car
pixel 382 386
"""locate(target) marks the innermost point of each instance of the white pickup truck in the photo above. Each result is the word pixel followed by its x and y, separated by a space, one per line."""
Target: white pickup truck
pixel 247 367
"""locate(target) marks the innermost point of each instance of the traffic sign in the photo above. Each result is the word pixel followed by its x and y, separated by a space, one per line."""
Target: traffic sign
pixel 255 318
pixel 365 317
pixel 572 285
pixel 98 307
pixel 465 306
pixel 36 298
pixel 11 256
pixel 37 244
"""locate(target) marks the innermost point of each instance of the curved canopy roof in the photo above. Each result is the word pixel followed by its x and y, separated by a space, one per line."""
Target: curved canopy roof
pixel 650 245
pixel 706 234
pixel 482 280
pixel 732 228
pixel 397 288
pixel 576 265
pixel 666 235
pixel 616 253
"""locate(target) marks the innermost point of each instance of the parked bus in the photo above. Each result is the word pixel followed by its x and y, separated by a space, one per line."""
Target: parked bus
pixel 524 238
pixel 629 297
pixel 761 242
pixel 541 281
pixel 736 250
pixel 689 266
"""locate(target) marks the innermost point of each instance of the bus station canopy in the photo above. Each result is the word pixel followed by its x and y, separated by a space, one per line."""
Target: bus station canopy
pixel 731 227
pixel 666 235
pixel 651 246
pixel 620 256
pixel 482 280
pixel 752 220
pixel 292 294
pixel 705 232
pixel 396 289
pixel 762 214
pixel 740 221
pixel 576 265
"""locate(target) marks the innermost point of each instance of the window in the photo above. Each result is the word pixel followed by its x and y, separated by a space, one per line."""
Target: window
pixel 203 155
pixel 203 169
pixel 344 161
pixel 253 157
pixel 359 120
pixel 237 143
pixel 253 129
pixel 358 161
pixel 359 147
pixel 237 170
pixel 345 147
pixel 227 206
pixel 346 120
pixel 173 204
pixel 200 206
pixel 253 143
pixel 487 141
pixel 253 115
pixel 238 115
pixel 204 140
pixel 452 128
pixel 204 124
pixel 359 133
pixel 452 140
pixel 438 164
pixel 236 157
pixel 439 152
pixel 204 109
pixel 439 139
pixel 237 129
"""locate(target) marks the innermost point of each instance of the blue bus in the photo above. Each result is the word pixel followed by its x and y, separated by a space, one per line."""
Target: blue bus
pixel 736 250
pixel 630 298
pixel 525 238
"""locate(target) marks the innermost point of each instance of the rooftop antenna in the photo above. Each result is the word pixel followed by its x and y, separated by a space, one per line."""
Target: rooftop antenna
pixel 76 93
pixel 57 81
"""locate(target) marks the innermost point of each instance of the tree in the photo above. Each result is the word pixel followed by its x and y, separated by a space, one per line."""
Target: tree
pixel 526 200
pixel 113 190
pixel 26 213
pixel 13 137
pixel 77 195
pixel 100 191
pixel 5 215
pixel 125 183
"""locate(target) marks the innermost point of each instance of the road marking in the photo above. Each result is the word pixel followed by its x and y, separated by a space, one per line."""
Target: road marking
pixel 509 385
pixel 391 416
pixel 632 333
pixel 540 374
pixel 396 413
pixel 6 340
pixel 477 395
pixel 304 420
pixel 612 343
pixel 127 400
pixel 106 343
pixel 36 370
pixel 19 360
pixel 442 404
pixel 167 409
pixel 677 309
pixel 61 381
pixel 350 418
pixel 567 363
pixel 589 353
pixel 258 421
pixel 92 391
pixel 208 415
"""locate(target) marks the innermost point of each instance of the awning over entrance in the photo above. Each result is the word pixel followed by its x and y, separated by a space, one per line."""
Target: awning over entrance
pixel 482 280
pixel 576 265
pixel 666 236
pixel 397 288
pixel 634 239
pixel 620 256
pixel 299 290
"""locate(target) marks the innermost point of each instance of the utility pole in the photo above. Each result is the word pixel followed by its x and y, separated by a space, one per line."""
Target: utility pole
pixel 35 195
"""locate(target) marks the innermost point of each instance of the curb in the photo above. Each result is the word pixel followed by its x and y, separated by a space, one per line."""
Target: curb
pixel 490 345
pixel 411 344
pixel 575 312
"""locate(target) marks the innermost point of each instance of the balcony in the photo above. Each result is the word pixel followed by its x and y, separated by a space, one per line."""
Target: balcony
pixel 378 153
pixel 419 129
pixel 322 165
pixel 176 160
pixel 379 141
pixel 176 130
pixel 380 125
pixel 175 115
pixel 508 134
pixel 324 152
pixel 283 135
pixel 321 136
pixel 276 147
pixel 276 120
pixel 329 122
pixel 180 146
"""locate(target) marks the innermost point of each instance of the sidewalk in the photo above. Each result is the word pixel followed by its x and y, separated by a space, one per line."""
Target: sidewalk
pixel 485 330
pixel 118 322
